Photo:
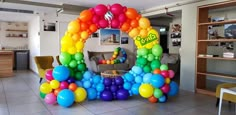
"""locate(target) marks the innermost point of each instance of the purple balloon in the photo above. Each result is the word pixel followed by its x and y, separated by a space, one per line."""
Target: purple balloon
pixel 71 80
pixel 100 9
pixel 107 81
pixel 122 94
pixel 119 81
pixel 114 88
pixel 106 96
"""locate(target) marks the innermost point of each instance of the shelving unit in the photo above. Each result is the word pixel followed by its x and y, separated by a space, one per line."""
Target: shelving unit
pixel 16 30
pixel 202 47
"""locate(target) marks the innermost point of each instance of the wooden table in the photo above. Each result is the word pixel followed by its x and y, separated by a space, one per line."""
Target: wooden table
pixel 6 63
pixel 225 90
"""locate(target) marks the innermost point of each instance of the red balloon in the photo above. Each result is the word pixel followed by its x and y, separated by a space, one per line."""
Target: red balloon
pixel 122 17
pixel 165 73
pixel 134 23
pixel 103 61
pixel 84 26
pixel 125 27
pixel 100 9
pixel 85 15
pixel 96 19
pixel 131 13
pixel 116 9
pixel 103 23
pixel 152 99
pixel 93 28
pixel 165 88
pixel 115 23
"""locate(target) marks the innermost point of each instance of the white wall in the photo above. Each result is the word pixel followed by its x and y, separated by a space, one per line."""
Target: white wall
pixel 173 49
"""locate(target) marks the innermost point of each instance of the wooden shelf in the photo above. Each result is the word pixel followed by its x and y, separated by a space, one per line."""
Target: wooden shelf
pixel 217 75
pixel 217 23
pixel 17 30
pixel 217 58
pixel 204 91
pixel 15 37
pixel 218 40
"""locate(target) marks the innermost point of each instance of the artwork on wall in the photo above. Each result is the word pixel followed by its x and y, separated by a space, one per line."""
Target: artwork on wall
pixel 124 40
pixel 95 35
pixel 176 34
pixel 49 26
pixel 109 37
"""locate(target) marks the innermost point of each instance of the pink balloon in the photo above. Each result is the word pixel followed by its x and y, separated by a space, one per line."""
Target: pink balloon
pixel 124 9
pixel 115 23
pixel 50 98
pixel 64 85
pixel 116 9
pixel 165 88
pixel 171 73
pixel 122 17
pixel 100 9
pixel 92 10
pixel 48 75
pixel 96 19
pixel 103 23
pixel 165 73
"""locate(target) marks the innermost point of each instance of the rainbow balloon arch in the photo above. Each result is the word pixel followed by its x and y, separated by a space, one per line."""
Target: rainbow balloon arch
pixel 73 82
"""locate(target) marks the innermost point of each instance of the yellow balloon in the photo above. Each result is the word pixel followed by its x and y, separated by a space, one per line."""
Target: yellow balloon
pixel 80 94
pixel 72 50
pixel 149 46
pixel 112 62
pixel 79 45
pixel 74 26
pixel 146 90
pixel 144 23
pixel 134 32
pixel 45 88
pixel 167 80
pixel 54 84
pixel 143 33
pixel 84 35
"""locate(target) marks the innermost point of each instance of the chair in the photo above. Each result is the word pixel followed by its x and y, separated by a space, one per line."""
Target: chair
pixel 58 60
pixel 227 97
pixel 43 64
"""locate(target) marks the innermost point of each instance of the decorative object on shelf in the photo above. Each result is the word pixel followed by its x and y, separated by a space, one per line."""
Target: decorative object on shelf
pixel 176 34
pixel 230 31
pixel 109 37
pixel 49 26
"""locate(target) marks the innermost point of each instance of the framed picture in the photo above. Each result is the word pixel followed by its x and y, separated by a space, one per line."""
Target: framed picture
pixel 176 34
pixel 109 37
pixel 124 40
pixel 230 31
pixel 94 35
pixel 49 26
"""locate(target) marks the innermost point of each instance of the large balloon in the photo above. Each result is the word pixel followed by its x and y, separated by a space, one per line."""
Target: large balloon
pixel 45 88
pixel 173 89
pixel 65 58
pixel 50 98
pixel 157 80
pixel 106 95
pixel 65 98
pixel 74 26
pixel 85 15
pixel 80 94
pixel 122 94
pixel 157 50
pixel 61 73
pixel 100 9
pixel 131 13
pixel 116 9
pixel 146 90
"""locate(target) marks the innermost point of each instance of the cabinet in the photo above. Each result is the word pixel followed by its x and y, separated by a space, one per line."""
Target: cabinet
pixel 203 41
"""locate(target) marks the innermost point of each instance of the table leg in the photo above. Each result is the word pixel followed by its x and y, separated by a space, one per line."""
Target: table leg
pixel 220 104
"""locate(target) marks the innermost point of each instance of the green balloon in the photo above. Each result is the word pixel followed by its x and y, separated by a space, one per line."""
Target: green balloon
pixel 155 64
pixel 157 50
pixel 147 69
pixel 78 76
pixel 72 72
pixel 73 63
pixel 81 67
pixel 42 95
pixel 142 61
pixel 65 58
pixel 79 56
pixel 143 51
pixel 150 57
pixel 157 93
pixel 164 67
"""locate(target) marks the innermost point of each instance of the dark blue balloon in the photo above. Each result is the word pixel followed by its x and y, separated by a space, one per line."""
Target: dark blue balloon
pixel 106 95
pixel 65 98
pixel 119 81
pixel 113 88
pixel 107 81
pixel 122 94
pixel 71 80
pixel 174 89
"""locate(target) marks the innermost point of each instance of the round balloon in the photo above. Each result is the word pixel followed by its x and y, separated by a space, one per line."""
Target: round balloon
pixel 61 73
pixel 80 94
pixel 65 98
pixel 146 90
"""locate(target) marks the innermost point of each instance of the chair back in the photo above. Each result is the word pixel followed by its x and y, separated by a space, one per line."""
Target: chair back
pixel 58 60
pixel 44 62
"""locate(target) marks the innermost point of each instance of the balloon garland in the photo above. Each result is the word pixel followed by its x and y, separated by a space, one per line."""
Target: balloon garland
pixel 114 59
pixel 73 82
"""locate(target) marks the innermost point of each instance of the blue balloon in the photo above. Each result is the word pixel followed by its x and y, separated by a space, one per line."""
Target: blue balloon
pixel 137 69
pixel 86 84
pixel 61 73
pixel 79 83
pixel 162 99
pixel 157 80
pixel 100 87
pixel 127 85
pixel 92 93
pixel 129 77
pixel 174 89
pixel 147 77
pixel 87 75
pixel 135 88
pixel 65 98
pixel 96 79
pixel 138 79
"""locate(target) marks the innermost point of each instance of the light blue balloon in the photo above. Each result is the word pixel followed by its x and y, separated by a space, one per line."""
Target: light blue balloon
pixel 61 73
pixel 137 69
pixel 147 77
pixel 174 89
pixel 100 87
pixel 157 80
pixel 129 77
pixel 65 98
pixel 79 83
pixel 135 89
pixel 86 84
pixel 87 75
pixel 138 79
pixel 162 99
pixel 96 79
pixel 127 85
pixel 91 93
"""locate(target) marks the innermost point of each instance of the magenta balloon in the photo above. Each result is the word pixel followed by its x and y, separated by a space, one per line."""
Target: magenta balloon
pixel 50 98
pixel 92 10
pixel 165 73
pixel 115 23
pixel 100 9
pixel 124 9
pixel 116 9
pixel 64 85
pixel 171 73
pixel 122 17
pixel 96 19
pixel 103 23
pixel 48 75
pixel 165 88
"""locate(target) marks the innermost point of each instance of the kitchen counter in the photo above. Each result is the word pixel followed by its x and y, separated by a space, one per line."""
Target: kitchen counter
pixel 6 63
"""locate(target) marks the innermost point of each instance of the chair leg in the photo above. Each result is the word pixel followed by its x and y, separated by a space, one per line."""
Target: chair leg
pixel 40 80
pixel 217 102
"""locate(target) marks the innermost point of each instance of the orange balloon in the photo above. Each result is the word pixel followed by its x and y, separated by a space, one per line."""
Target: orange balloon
pixel 131 13
pixel 134 32
pixel 93 28
pixel 84 35
pixel 84 26
pixel 108 62
pixel 152 99
pixel 72 86
pixel 134 23
pixel 85 15
pixel 56 91
pixel 125 27
pixel 76 37
pixel 144 23
pixel 143 33
pixel 157 71
pixel 74 26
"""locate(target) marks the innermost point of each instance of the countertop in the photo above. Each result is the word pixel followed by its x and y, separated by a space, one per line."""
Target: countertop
pixel 6 52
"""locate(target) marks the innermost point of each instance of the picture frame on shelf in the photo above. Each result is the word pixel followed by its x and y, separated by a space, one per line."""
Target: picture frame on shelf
pixel 176 34
pixel 49 26
pixel 230 31
pixel 109 36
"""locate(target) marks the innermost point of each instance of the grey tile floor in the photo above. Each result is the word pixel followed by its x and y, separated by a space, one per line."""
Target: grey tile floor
pixel 19 95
